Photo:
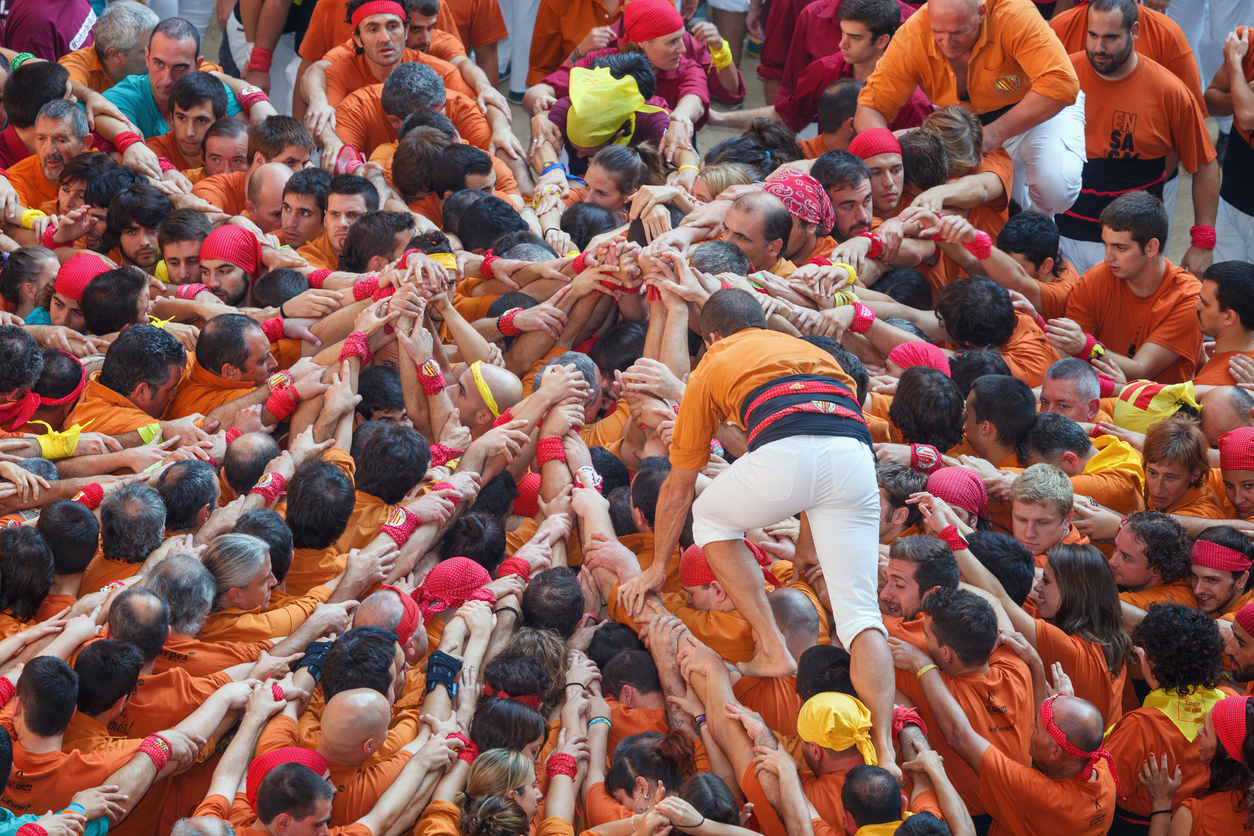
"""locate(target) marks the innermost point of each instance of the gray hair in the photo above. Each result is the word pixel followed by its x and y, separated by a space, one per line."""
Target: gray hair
pixel 187 588
pixel 1087 386
pixel 583 364
pixel 234 560
pixel 122 26
pixel 202 825
pixel 530 251
pixel 40 467
pixel 132 523
pixel 412 86
pixel 716 257
pixel 62 110
pixel 382 609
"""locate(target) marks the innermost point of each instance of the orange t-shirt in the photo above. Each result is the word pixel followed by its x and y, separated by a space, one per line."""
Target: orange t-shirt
pixel 112 413
pixel 29 183
pixel 163 700
pixel 350 72
pixel 203 391
pixel 43 781
pixel 236 625
pixel 642 545
pixel 1199 502
pixel 369 515
pixel 992 216
pixel 730 371
pixel 1028 352
pixel 319 254
pixel 1106 307
pixel 86 68
pixel 775 698
pixel 1161 39
pixel 167 146
pixel 361 122
pixel 329 27
pixel 1114 477
pixel 1015 52
pixel 198 658
pixel 1177 592
pixel 1148 730
pixel 1216 373
pixel 1055 293
pixel 1085 663
pixel 225 191
pixel 1025 802
pixel 103 571
pixel 311 568
pixel 999 705
pixel 813 147
pixel 1218 813
pixel 479 23
pixel 559 27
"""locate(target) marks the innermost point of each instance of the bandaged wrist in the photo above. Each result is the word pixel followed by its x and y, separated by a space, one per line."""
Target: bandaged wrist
pixel 431 376
pixel 548 450
pixel 722 57
pixel 150 432
pixel 189 291
pixel 514 566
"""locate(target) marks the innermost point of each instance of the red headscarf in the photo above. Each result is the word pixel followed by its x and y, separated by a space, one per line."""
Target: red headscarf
pixel 1228 717
pixel 18 412
pixel 261 767
pixel 450 584
pixel 803 197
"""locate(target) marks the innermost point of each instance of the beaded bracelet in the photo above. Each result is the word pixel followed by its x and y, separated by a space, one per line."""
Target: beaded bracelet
pixel 158 748
pixel 189 291
pixel 549 449
pixel 400 525
pixel 953 538
pixel 273 329
pixel 356 344
pixel 595 720
pixel 282 402
pixel 560 763
pixel 505 323
pixel 270 486
pixel 90 496
pixel 431 376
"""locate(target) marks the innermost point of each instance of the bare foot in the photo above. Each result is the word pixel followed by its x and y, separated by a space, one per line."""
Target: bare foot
pixel 766 666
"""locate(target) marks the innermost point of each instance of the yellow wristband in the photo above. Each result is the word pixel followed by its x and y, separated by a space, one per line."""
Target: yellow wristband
pixel 853 274
pixel 28 218
pixel 59 445
pixel 844 297
pixel 150 431
pixel 693 167
pixel 722 57
pixel 924 670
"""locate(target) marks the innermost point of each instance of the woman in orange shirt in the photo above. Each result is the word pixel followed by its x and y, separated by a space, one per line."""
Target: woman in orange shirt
pixel 1226 744
pixel 1081 620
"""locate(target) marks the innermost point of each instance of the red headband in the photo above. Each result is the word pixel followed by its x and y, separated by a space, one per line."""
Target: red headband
pixel 260 768
pixel 1047 720
pixel 377 7
pixel 411 618
pixel 1215 556
pixel 24 408
pixel 532 700
pixel 1245 617
pixel 694 568
pixel 919 353
pixel 1228 717
pixel 804 198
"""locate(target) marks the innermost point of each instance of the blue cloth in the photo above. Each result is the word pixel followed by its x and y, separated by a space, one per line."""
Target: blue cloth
pixel 133 96
pixel 10 823
pixel 39 316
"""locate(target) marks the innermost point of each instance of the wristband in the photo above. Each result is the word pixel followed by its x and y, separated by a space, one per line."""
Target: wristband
pixel 49 237
pixel 548 450
pixel 863 318
pixel 693 167
pixel 357 344
pixel 189 291
pixel 401 523
pixel 504 418
pixel 28 218
pixel 1105 386
pixel 595 720
pixel 282 403
pixel 443 669
pixel 1203 237
pixel 156 747
pixel 249 96
pixel 517 614
pixel 20 59
pixel 470 749
pixel 877 245
pixel 1093 350
pixel 721 57
pixel 233 433
pixel 514 566
pixel 903 717
pixel 925 458
pixel 952 538
pixel 260 60
pixel 280 380
pixel 552 166
pixel 590 478
pixel 700 718
pixel 7 690
pixel 579 264
pixel 125 140
pixel 150 432
pixel 1159 812
pixel 853 274
pixel 442 454
pixel 919 674
pixel 269 487
pixel 277 690
pixel 431 376
pixel 90 496
pixel 30 829
pixel 447 486
pixel 317 277
pixel 273 329
pixel 165 165
pixel 560 763
pixel 365 288
pixel 505 323
pixel 403 261
pixel 315 655
pixel 485 268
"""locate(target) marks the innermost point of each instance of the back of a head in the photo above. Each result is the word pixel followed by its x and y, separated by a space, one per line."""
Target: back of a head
pixel 966 367
pixel 359 658
pixel 977 313
pixel 1182 645
pixel 847 360
pixel 391 459
pixel 611 639
pixel 200 825
pixel 48 689
pixel 907 286
pixel 716 257
pixel 485 221
pixel 871 795
pixel 1007 402
pixel 824 668
pixel 142 618
pixel 925 162
pixel 838 103
pixel 72 531
pixel 492 815
pixel 633 668
pixel 246 459
pixel 584 221
pixel 320 500
pixel 1008 560
pixel 964 622
pixel 923 824
pixel 1049 436
pixel 132 523
pixel 187 488
pixel 962 134
pixel 111 300
pixel 30 87
pixel 1234 289
pixel 188 589
pixel 410 86
pixel 738 150
pixel 709 795
pixel 554 601
pixel 478 536
pixel 730 311
pixel 668 758
pixel 456 207
pixel 927 408
pixel 140 354
pixel 293 789
pixel 26 565
pixel 101 190
pixel 108 670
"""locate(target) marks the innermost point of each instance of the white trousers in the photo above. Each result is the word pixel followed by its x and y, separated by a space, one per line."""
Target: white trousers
pixel 833 481
pixel 520 18
pixel 1049 161
pixel 1206 23
pixel 1082 254
pixel 282 70
pixel 1234 234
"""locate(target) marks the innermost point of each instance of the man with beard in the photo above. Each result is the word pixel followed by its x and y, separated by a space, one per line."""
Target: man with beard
pixel 1221 570
pixel 61 133
pixel 1239 647
pixel 131 226
pixel 1136 115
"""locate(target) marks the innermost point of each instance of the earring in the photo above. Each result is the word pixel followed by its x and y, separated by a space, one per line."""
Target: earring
pixel 646 800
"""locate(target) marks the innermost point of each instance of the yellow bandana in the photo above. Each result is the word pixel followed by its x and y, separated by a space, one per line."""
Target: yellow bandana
pixel 837 721
pixel 600 104
pixel 446 260
pixel 1187 713
pixel 476 369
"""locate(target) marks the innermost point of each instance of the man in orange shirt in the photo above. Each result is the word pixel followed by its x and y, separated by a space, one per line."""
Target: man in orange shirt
pixel 1041 509
pixel 1072 388
pixel 1135 309
pixel 132 526
pixel 1221 571
pixel 1137 115
pixel 131 391
pixel 119 37
pixel 279 139
pixel 1013 72
pixel 1239 646
pixel 1225 311
pixel 898 483
pixel 1106 469
pixel 348 198
pixel 1151 561
pixel 197 100
pixel 61 134
pixel 1027 259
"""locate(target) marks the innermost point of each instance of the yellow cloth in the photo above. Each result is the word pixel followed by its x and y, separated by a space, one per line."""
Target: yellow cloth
pixel 600 104
pixel 446 260
pixel 838 722
pixel 1143 403
pixel 885 829
pixel 476 369
pixel 59 445
pixel 1187 713
pixel 1116 454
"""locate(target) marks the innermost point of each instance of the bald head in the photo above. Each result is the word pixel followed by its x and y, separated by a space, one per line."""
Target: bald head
pixel 1224 409
pixel 796 617
pixel 956 25
pixel 1081 722
pixel 354 725
pixel 202 826
pixel 265 195
pixel 756 202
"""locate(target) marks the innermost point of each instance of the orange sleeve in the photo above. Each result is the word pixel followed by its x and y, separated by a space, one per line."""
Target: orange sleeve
pixel 600 807
pixel 255 626
pixel 78 62
pixel 487 24
pixel 1029 41
pixel 219 190
pixel 441 818
pixel 340 53
pixel 342 79
pixel 280 732
pixel 317 41
pixel 1116 489
pixel 695 424
pixel 446 46
pixel 352 123
pixel 554 826
pixel 899 71
pixel 1188 127
pixel 1054 296
pixel 608 428
pixel 547 44
pixel 1086 298
pixel 471 125
pixel 214 806
pixel 362 792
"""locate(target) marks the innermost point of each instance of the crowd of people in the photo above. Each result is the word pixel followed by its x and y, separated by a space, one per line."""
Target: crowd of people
pixel 891 480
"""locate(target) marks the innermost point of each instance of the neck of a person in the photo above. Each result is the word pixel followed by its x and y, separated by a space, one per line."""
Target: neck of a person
pixel 333 755
pixel 27 135
pixel 1124 71
pixel 381 71
pixel 1232 338
pixel 992 450
pixel 839 762
pixel 35 743
pixel 147 669
pixel 863 69
pixel 1068 768
pixel 803 253
pixel 66 584
pixel 956 668
pixel 1145 283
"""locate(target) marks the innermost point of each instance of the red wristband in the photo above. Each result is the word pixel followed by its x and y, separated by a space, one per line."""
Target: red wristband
pixel 925 458
pixel 90 496
pixel 586 346
pixel 549 449
pixel 282 402
pixel 273 329
pixel 270 486
pixel 260 60
pixel 7 690
pixel 165 165
pixel 431 376
pixel 504 418
pixel 470 749
pixel 1203 237
pixel 903 717
pixel 277 690
pixel 952 538
pixel 189 291
pixel 442 454
pixel 403 262
pixel 317 277
pixel 485 269
pixel 30 829
pixel 1105 386
pixel 505 323
pixel 365 288
pixel 877 245
pixel 356 344
pixel 400 525
pixel 579 264
pixel 514 566
pixel 125 140
pixel 156 747
pixel 863 318
pixel 447 486
pixel 233 433
pixel 560 763
pixel 49 237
